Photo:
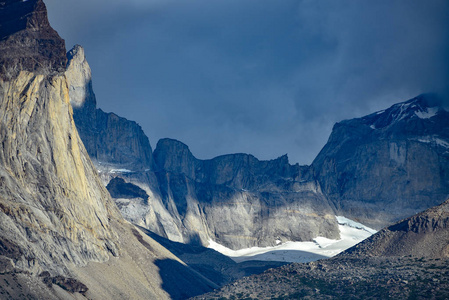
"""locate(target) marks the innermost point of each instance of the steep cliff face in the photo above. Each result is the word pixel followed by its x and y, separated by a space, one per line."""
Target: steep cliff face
pixel 239 201
pixel 49 192
pixel 107 137
pixel 388 165
pixel 61 235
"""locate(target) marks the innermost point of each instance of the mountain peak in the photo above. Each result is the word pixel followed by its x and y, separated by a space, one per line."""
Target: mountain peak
pixel 79 77
pixel 27 41
pixel 425 106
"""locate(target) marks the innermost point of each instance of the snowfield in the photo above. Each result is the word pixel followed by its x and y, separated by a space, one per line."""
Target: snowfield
pixel 351 233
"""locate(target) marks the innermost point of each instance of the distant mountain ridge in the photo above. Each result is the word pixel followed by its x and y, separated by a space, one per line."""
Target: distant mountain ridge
pixel 376 169
pixel 388 165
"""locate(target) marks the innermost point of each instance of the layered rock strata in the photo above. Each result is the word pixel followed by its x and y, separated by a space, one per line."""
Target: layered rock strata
pixel 239 201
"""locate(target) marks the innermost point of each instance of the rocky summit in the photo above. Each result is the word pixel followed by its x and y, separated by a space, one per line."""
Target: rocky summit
pixel 106 136
pixel 423 235
pixel 389 165
pixel 27 41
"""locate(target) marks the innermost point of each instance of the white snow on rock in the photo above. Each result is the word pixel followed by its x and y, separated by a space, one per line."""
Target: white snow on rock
pixel 442 143
pixel 353 224
pixel 432 139
pixel 351 233
pixel 113 171
pixel 427 114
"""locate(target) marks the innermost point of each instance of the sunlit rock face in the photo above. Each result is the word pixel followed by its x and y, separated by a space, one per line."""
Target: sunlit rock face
pixel 389 165
pixel 106 136
pixel 53 207
pixel 61 234
pixel 49 194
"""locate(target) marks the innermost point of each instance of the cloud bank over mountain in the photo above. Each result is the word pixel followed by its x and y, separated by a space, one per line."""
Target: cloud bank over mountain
pixel 262 77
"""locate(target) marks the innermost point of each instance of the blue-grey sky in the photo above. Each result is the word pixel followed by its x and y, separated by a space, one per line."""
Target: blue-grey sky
pixel 256 76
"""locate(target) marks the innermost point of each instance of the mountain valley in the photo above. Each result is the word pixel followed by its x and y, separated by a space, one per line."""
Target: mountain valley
pixel 88 210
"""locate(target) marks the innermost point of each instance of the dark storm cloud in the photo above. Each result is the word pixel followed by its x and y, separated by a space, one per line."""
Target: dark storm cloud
pixel 263 77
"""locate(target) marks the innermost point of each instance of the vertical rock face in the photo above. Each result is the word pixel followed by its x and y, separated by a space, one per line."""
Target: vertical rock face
pixel 27 42
pixel 388 165
pixel 107 137
pixel 49 192
pixel 56 217
pixel 239 201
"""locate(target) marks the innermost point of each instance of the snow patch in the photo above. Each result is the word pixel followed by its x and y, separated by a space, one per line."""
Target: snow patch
pixel 353 224
pixel 113 171
pixel 437 141
pixel 442 143
pixel 351 233
pixel 427 113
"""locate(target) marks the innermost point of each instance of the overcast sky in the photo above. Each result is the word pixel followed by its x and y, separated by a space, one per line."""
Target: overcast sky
pixel 256 76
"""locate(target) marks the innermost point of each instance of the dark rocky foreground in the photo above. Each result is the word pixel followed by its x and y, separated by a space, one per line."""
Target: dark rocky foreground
pixel 408 260
pixel 346 278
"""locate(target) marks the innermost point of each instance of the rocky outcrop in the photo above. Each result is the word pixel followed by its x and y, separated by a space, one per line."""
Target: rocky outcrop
pixel 388 165
pixel 27 41
pixel 423 235
pixel 106 136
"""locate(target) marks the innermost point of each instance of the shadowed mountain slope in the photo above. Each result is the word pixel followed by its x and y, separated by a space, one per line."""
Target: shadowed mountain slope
pixel 389 165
